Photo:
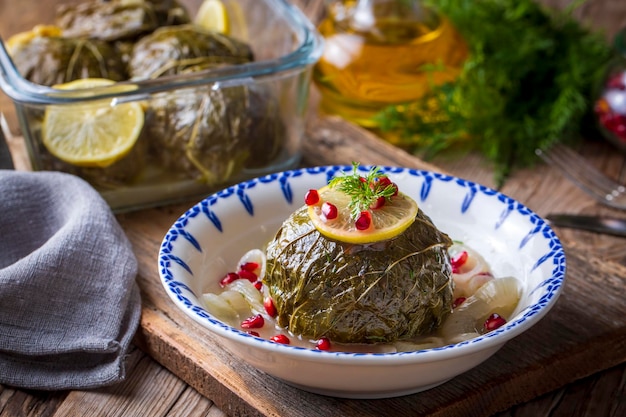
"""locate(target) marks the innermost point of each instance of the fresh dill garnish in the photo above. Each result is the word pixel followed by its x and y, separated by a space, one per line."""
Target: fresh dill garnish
pixel 528 83
pixel 363 190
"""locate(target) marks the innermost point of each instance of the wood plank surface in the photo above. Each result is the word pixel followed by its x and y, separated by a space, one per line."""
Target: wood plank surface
pixel 571 364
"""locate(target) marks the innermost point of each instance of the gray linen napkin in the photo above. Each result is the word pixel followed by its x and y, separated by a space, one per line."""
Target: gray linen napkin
pixel 69 303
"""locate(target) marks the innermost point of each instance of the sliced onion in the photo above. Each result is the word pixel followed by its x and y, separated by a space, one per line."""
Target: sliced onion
pixel 240 299
pixel 472 274
pixel 499 295
pixel 425 343
pixel 502 294
pixel 220 308
pixel 472 285
pixel 251 296
pixel 461 338
pixel 237 301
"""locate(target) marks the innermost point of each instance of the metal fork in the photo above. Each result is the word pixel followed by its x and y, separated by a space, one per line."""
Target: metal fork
pixel 595 183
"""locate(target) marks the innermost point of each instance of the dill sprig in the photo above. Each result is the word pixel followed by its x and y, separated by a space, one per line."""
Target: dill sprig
pixel 528 83
pixel 363 190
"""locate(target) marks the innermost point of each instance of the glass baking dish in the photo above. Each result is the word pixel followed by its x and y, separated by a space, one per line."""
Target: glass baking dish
pixel 203 129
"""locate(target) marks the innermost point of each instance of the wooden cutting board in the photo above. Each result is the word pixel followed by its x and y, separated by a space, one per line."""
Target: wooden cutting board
pixel 584 333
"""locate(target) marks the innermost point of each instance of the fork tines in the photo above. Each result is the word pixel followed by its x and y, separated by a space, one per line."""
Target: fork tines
pixel 595 183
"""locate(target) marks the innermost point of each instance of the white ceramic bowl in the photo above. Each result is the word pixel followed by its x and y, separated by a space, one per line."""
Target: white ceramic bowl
pixel 209 239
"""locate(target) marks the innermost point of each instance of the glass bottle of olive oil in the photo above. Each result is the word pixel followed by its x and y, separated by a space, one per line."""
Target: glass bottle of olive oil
pixel 380 53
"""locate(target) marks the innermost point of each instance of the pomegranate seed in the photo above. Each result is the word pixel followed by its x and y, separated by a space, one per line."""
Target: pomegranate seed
pixel 258 285
pixel 249 266
pixel 254 322
pixel 270 308
pixel 380 183
pixel 253 333
pixel 323 344
pixel 384 182
pixel 280 338
pixel 228 278
pixel 329 210
pixel 311 198
pixel 459 261
pixel 362 179
pixel 395 189
pixel 617 125
pixel 609 120
pixel 613 124
pixel 364 221
pixel 458 302
pixel 250 276
pixel 380 201
pixel 616 81
pixel 493 322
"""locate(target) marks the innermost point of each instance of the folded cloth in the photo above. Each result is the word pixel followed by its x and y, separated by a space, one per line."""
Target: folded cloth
pixel 69 302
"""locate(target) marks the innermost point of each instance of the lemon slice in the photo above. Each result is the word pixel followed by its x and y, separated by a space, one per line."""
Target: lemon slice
pixel 40 31
pixel 212 15
pixel 92 134
pixel 388 221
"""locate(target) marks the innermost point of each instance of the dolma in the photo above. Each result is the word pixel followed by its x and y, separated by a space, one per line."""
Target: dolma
pixel 381 293
pixel 45 57
pixel 120 22
pixel 107 20
pixel 170 12
pixel 207 133
pixel 212 134
pixel 172 50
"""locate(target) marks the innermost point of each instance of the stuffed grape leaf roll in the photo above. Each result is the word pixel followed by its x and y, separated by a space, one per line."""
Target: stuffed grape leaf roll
pixel 172 50
pixel 378 293
pixel 43 56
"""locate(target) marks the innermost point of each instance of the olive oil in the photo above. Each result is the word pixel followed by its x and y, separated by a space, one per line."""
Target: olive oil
pixel 383 53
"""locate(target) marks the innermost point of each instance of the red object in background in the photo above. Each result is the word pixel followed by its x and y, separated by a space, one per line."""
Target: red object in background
pixel 610 106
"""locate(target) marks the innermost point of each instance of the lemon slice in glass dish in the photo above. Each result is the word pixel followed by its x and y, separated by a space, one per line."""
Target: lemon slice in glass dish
pixel 335 215
pixel 24 38
pixel 92 134
pixel 212 15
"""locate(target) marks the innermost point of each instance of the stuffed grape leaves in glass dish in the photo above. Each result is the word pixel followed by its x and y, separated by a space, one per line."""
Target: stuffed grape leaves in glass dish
pixel 218 106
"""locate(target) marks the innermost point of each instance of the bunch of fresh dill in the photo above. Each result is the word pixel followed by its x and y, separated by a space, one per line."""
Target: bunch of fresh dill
pixel 527 83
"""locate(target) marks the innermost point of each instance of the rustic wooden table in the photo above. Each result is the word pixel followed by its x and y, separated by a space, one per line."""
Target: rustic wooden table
pixel 573 363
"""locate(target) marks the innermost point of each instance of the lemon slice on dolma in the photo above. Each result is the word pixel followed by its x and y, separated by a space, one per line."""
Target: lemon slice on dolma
pixel 395 213
pixel 91 134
